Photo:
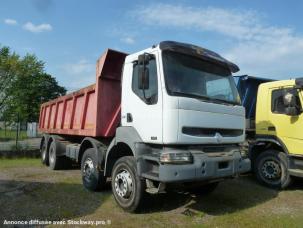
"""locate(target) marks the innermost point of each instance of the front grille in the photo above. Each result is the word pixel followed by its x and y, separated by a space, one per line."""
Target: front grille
pixel 214 148
pixel 211 132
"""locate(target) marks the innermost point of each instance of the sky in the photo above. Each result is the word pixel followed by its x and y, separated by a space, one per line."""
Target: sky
pixel 264 38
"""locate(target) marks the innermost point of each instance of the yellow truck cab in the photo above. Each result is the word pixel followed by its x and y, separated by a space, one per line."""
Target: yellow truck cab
pixel 277 151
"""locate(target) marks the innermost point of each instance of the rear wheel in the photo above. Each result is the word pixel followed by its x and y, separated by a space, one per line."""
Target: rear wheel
pixel 92 178
pixel 55 162
pixel 271 169
pixel 127 187
pixel 44 153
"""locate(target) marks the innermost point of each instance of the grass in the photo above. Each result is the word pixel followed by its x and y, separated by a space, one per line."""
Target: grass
pixel 22 162
pixel 59 195
pixel 11 135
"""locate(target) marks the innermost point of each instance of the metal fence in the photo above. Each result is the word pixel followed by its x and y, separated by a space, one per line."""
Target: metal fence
pixel 19 136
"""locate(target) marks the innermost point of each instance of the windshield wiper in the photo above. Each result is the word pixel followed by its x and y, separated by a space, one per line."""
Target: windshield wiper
pixel 191 95
pixel 226 101
pixel 204 98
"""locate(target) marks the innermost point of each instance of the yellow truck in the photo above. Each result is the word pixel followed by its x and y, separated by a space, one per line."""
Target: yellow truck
pixel 274 128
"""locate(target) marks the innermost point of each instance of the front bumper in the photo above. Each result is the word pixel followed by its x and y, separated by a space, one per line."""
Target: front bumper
pixel 205 167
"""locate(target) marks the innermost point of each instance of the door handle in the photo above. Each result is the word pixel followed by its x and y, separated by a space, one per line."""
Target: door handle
pixel 271 128
pixel 129 117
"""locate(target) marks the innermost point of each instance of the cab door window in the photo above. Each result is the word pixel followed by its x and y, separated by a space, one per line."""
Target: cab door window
pixel 150 95
pixel 277 103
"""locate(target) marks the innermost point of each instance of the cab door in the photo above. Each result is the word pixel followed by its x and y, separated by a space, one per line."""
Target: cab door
pixel 289 129
pixel 142 108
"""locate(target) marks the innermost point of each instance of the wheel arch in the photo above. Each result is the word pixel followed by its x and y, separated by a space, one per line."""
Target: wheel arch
pixel 98 147
pixel 263 144
pixel 115 152
pixel 124 144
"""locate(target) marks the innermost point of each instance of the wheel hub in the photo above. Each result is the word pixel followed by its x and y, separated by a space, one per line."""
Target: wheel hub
pixel 123 184
pixel 271 170
pixel 88 169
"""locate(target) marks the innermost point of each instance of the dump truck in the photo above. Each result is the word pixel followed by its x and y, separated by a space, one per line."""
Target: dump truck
pixel 274 128
pixel 169 114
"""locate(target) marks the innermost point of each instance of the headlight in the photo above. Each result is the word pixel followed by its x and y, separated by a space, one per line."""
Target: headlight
pixel 244 150
pixel 176 157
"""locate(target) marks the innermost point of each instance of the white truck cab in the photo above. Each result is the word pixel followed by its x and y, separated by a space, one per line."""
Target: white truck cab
pixel 186 98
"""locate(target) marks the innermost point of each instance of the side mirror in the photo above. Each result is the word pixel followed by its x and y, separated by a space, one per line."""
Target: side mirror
pixel 143 59
pixel 299 83
pixel 292 111
pixel 143 78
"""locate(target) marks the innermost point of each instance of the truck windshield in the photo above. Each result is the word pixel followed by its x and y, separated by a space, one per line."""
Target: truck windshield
pixel 190 76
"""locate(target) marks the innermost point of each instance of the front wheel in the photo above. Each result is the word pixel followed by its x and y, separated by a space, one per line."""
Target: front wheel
pixel 127 187
pixel 271 169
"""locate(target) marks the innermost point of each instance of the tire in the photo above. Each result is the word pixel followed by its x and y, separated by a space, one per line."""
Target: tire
pixel 55 162
pixel 271 169
pixel 204 189
pixel 44 153
pixel 128 189
pixel 92 178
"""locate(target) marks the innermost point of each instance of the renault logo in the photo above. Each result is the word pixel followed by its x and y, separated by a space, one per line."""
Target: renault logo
pixel 218 137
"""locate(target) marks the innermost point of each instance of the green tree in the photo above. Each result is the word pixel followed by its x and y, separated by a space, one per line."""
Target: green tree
pixel 29 86
pixel 9 63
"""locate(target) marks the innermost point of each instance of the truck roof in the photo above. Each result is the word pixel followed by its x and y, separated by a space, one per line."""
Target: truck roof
pixel 197 51
pixel 278 83
pixel 188 49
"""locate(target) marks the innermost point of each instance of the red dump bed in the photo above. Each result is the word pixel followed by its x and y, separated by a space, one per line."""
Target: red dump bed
pixel 91 111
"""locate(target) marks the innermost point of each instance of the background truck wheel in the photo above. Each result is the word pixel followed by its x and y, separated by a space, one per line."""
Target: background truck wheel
pixel 204 189
pixel 44 153
pixel 271 169
pixel 127 187
pixel 92 178
pixel 55 162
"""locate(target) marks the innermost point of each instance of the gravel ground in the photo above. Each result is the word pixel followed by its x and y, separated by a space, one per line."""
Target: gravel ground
pixel 29 190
